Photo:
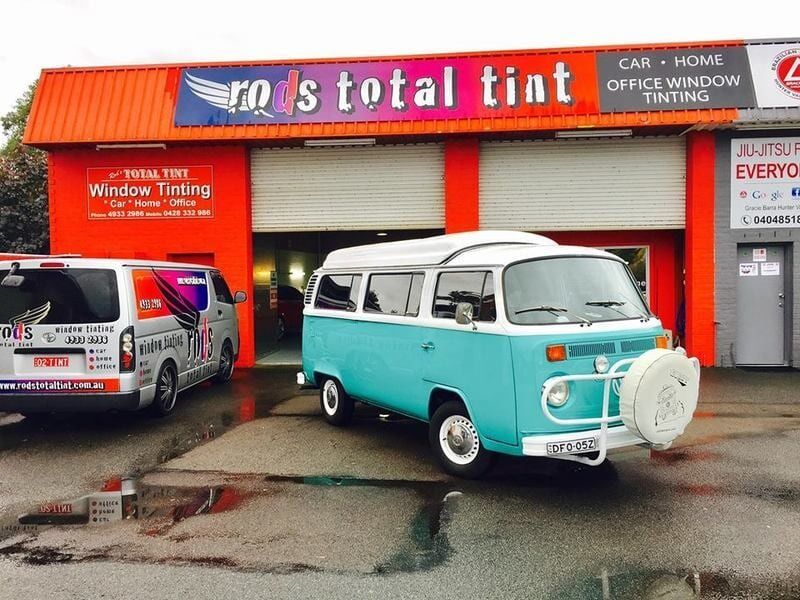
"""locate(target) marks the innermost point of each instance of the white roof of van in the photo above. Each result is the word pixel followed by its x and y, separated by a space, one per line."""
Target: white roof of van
pixel 428 251
pixel 108 263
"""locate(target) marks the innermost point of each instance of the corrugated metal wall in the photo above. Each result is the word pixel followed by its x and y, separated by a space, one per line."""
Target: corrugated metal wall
pixel 603 184
pixel 348 188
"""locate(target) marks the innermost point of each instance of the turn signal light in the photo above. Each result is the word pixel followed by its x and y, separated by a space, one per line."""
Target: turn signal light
pixel 662 341
pixel 557 353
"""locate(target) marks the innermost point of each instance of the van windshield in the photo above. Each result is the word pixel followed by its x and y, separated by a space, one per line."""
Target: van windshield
pixel 60 296
pixel 571 289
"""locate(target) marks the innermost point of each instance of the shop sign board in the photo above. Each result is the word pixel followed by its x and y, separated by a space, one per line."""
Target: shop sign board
pixel 776 74
pixel 689 78
pixel 150 192
pixel 382 90
pixel 765 183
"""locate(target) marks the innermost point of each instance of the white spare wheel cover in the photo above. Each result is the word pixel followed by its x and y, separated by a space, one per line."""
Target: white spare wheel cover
pixel 659 394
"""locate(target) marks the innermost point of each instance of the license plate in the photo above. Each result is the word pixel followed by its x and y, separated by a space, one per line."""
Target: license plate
pixel 572 446
pixel 50 362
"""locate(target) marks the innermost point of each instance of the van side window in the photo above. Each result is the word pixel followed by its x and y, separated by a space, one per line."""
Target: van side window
pixel 221 289
pixel 394 294
pixel 476 287
pixel 338 292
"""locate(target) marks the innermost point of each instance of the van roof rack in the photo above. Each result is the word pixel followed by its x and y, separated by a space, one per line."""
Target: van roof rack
pixel 437 250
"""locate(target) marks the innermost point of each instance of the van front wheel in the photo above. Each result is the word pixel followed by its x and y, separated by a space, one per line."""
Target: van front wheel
pixel 336 405
pixel 225 371
pixel 455 442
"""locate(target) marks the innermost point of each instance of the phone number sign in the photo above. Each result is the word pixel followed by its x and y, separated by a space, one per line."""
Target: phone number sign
pixel 150 192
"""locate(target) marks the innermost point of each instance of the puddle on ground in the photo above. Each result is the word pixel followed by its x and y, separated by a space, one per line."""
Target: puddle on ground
pixel 689 584
pixel 159 508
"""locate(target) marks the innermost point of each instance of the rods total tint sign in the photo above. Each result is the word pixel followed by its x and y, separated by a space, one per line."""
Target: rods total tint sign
pixel 158 192
pixel 389 90
pixel 512 85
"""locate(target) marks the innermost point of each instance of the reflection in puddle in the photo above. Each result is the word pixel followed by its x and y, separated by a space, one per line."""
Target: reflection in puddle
pixel 643 584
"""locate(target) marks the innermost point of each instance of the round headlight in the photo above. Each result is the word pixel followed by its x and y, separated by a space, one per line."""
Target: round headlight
pixel 601 364
pixel 559 394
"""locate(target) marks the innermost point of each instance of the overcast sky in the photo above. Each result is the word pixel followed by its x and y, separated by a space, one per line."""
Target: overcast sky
pixel 54 33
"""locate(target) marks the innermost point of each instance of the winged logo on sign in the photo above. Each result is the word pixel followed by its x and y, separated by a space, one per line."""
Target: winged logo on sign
pixel 220 95
pixel 31 316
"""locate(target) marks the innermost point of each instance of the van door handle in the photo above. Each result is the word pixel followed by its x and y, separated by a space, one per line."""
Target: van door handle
pixel 219 312
pixel 428 346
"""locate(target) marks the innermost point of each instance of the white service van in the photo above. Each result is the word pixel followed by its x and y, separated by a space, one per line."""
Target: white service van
pixel 85 334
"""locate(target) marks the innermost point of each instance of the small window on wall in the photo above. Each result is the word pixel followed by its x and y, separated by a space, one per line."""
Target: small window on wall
pixel 394 294
pixel 476 287
pixel 338 292
pixel 638 259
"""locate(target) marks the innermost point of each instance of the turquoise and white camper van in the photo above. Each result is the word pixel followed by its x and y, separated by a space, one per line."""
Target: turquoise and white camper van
pixel 504 342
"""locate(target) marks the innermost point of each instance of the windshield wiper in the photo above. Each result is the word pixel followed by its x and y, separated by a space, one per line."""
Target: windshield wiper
pixel 612 303
pixel 553 310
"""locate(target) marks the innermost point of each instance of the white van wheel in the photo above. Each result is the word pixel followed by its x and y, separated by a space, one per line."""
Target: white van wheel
pixel 455 441
pixel 336 405
pixel 166 390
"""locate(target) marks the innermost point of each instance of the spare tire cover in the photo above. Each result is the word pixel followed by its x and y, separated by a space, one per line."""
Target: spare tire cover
pixel 658 395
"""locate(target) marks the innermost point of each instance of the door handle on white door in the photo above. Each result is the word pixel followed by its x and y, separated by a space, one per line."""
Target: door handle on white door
pixel 428 346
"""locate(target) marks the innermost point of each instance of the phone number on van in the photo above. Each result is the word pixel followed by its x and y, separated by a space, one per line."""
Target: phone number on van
pixel 84 339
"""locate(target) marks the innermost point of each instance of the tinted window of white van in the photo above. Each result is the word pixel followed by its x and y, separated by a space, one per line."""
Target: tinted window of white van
pixel 61 296
pixel 476 287
pixel 394 294
pixel 338 292
pixel 221 289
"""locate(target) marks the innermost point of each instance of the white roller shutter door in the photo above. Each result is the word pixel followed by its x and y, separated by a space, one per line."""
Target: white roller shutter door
pixel 636 183
pixel 348 188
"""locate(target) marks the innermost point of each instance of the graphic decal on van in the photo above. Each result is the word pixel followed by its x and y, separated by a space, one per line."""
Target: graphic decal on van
pixel 183 295
pixel 163 292
pixel 32 316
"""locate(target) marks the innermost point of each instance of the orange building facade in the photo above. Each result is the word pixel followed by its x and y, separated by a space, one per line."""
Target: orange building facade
pixel 261 168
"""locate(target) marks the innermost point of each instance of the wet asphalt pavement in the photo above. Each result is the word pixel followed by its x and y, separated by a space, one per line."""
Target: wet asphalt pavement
pixel 284 506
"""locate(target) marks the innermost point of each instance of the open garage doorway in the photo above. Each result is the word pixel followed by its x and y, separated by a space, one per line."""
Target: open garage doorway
pixel 282 264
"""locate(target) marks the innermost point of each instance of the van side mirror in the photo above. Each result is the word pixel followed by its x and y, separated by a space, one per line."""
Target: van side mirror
pixel 239 297
pixel 464 314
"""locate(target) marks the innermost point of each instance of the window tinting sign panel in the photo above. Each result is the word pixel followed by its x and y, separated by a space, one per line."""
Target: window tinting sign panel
pixel 674 79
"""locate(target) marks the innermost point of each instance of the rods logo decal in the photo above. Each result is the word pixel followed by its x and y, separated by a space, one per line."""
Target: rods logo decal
pixel 200 335
pixel 32 316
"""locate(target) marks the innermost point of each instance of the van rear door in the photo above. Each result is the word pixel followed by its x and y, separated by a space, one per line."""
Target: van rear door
pixel 59 331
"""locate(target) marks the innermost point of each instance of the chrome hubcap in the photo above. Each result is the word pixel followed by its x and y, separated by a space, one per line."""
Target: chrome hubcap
pixel 330 397
pixel 167 391
pixel 226 362
pixel 459 439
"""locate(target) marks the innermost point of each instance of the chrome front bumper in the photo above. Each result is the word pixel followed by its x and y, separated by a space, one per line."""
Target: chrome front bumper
pixel 618 436
pixel 607 437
